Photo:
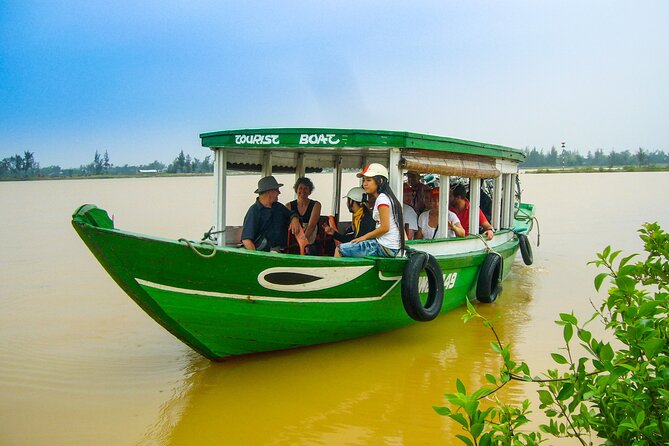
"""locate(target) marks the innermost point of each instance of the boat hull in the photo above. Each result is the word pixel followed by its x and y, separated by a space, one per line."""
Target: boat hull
pixel 238 302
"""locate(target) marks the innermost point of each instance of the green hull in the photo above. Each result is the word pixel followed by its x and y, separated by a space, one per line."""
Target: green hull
pixel 240 302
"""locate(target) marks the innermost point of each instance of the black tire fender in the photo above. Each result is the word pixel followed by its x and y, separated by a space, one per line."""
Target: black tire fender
pixel 525 249
pixel 417 262
pixel 489 282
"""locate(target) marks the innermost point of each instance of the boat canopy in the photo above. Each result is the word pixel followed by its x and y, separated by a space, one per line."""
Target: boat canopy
pixel 306 150
pixel 321 147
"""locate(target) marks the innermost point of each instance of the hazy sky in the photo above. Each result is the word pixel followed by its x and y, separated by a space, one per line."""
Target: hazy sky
pixel 142 79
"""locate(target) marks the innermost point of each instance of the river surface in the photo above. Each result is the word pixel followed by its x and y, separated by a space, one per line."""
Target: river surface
pixel 81 364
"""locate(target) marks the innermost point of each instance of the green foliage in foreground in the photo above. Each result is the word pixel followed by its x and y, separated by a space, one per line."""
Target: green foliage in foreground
pixel 617 394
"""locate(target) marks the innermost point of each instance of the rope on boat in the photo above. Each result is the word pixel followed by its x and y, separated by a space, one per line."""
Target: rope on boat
pixel 208 235
pixel 522 216
pixel 192 246
pixel 489 250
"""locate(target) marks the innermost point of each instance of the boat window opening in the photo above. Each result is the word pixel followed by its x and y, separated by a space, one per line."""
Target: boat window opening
pixel 487 189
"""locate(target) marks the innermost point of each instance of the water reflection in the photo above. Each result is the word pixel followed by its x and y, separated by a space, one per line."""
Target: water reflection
pixel 375 390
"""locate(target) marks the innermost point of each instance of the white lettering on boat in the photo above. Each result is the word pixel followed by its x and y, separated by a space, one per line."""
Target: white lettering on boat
pixel 319 138
pixel 449 282
pixel 257 140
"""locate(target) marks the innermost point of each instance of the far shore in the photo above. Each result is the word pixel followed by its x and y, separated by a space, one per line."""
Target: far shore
pixel 532 170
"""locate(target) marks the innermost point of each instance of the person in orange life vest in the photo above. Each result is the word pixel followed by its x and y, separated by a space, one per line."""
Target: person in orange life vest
pixel 458 203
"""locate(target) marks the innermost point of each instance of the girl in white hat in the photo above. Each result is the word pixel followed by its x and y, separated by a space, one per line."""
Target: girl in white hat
pixel 387 240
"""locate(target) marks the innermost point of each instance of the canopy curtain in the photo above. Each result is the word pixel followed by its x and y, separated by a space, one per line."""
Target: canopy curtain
pixel 448 163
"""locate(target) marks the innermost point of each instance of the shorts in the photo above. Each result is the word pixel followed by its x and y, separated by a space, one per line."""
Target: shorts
pixel 366 248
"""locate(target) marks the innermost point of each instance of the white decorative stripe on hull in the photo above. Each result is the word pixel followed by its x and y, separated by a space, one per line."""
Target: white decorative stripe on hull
pixel 334 300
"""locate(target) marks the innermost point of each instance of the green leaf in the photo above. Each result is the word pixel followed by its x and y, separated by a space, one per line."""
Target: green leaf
pixel 460 386
pixel 606 352
pixel 654 346
pixel 476 430
pixel 491 379
pixel 570 318
pixel 566 391
pixel 443 411
pixel 459 418
pixel 584 335
pixel 545 397
pixel 568 332
pixel 613 256
pixel 624 261
pixel 640 417
pixel 465 440
pixel 626 284
pixel 605 253
pixel 599 279
pixel 559 358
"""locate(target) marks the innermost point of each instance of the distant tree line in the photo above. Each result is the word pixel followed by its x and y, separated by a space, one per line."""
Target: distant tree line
pixel 184 164
pixel 25 166
pixel 18 166
pixel 565 158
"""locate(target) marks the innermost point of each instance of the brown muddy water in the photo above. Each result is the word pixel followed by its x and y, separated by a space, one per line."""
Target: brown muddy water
pixel 81 364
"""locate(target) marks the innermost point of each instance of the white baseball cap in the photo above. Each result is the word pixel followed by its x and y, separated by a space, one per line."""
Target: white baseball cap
pixel 373 170
pixel 356 194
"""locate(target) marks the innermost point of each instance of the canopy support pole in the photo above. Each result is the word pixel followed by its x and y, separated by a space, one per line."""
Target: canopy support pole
pixel 444 189
pixel 220 180
pixel 512 198
pixel 497 203
pixel 299 169
pixel 266 169
pixel 474 203
pixel 396 179
pixel 507 200
pixel 336 186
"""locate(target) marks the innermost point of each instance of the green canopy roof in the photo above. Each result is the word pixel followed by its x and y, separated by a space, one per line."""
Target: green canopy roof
pixel 351 141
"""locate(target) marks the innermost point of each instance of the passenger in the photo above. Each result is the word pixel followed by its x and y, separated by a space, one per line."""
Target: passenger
pixel 308 210
pixel 459 204
pixel 387 240
pixel 410 216
pixel 361 221
pixel 486 203
pixel 267 221
pixel 428 221
pixel 417 191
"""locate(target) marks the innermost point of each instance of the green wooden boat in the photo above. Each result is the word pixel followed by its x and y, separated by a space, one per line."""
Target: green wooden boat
pixel 225 301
